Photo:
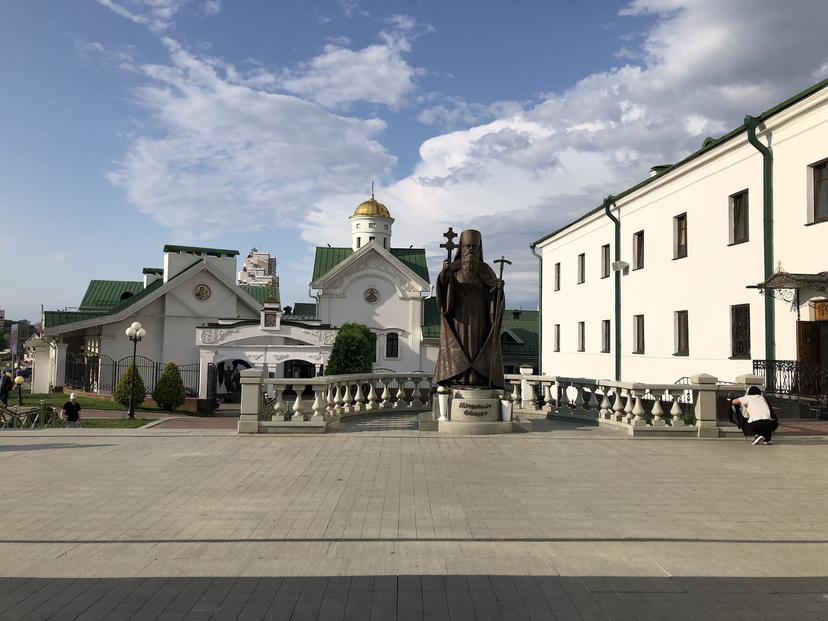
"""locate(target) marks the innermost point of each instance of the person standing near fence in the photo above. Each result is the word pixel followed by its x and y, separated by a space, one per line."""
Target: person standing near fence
pixel 5 387
pixel 71 412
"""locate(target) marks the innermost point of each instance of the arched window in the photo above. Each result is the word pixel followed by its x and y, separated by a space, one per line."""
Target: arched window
pixel 392 345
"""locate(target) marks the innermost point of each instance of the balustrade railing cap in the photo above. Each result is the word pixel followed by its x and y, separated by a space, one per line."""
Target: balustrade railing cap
pixel 703 378
pixel 250 373
pixel 750 379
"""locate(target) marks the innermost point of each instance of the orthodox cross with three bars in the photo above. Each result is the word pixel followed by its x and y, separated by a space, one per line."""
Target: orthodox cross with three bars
pixel 449 245
pixel 503 261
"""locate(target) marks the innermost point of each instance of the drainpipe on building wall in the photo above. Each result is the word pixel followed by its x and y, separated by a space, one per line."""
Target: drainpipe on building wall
pixel 609 200
pixel 751 124
pixel 540 308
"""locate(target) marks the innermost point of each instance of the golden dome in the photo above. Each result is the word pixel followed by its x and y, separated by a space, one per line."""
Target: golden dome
pixel 373 208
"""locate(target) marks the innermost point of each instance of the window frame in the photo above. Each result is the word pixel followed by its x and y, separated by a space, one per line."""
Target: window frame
pixel 638 334
pixel 638 250
pixel 606 261
pixel 388 336
pixel 606 336
pixel 813 193
pixel 557 276
pixel 581 336
pixel 582 268
pixel 677 248
pixel 678 350
pixel 739 355
pixel 556 338
pixel 732 239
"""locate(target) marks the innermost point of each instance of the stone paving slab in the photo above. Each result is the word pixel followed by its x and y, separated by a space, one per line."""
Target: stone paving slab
pixel 575 522
pixel 407 597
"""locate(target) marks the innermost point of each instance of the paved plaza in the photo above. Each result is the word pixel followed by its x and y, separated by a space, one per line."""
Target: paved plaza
pixel 380 521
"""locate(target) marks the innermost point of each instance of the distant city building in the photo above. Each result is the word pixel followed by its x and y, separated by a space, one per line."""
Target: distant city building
pixel 259 269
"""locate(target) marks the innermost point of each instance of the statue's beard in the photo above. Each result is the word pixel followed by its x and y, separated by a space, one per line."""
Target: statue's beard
pixel 469 263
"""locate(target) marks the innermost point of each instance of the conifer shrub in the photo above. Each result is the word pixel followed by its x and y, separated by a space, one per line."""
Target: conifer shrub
pixel 122 390
pixel 169 390
pixel 353 350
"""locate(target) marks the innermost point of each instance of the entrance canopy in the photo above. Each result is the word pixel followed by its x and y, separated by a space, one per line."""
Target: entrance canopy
pixel 787 285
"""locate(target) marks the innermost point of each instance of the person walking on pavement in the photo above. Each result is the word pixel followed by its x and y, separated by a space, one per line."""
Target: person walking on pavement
pixel 71 412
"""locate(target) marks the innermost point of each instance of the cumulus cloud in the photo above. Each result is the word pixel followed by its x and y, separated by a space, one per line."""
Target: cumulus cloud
pixel 376 74
pixel 229 157
pixel 158 15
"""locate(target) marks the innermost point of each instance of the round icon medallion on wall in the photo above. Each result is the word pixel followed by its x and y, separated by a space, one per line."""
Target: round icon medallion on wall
pixel 372 295
pixel 202 292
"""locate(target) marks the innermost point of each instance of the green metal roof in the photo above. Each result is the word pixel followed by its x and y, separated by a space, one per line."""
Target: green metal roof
pixel 101 295
pixel 328 258
pixel 431 319
pixel 214 252
pixel 708 144
pixel 525 326
pixel 52 319
pixel 303 311
pixel 261 293
pixel 153 270
pixel 135 298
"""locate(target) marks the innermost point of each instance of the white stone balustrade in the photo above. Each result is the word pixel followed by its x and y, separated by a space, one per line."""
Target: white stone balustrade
pixel 687 409
pixel 330 399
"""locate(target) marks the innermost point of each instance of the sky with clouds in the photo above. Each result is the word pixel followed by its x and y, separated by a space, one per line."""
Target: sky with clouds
pixel 129 124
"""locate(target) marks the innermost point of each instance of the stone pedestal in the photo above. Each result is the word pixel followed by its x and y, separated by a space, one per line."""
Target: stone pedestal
pixel 475 411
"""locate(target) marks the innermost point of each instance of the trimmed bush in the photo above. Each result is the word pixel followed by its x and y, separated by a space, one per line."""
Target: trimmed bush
pixel 353 350
pixel 169 391
pixel 122 390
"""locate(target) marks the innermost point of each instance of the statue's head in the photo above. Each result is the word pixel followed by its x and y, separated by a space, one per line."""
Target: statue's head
pixel 471 249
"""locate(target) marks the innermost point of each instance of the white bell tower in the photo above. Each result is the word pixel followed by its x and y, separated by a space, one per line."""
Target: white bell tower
pixel 371 222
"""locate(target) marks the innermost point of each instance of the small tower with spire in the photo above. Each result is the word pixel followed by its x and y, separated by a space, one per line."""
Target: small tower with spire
pixel 371 222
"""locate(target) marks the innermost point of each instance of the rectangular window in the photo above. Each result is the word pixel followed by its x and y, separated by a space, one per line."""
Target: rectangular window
pixel 740 331
pixel 392 345
pixel 681 334
pixel 385 242
pixel 605 336
pixel 557 343
pixel 638 334
pixel 581 336
pixel 581 268
pixel 638 250
pixel 557 276
pixel 739 218
pixel 372 225
pixel 680 236
pixel 359 242
pixel 605 261
pixel 374 339
pixel 819 213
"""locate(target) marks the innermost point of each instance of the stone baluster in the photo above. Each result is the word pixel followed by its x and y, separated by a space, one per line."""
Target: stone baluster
pixel 628 407
pixel 346 398
pixel 657 412
pixel 605 412
pixel 399 397
pixel 417 394
pixel 576 403
pixel 675 411
pixel 617 406
pixel 547 396
pixel 297 407
pixel 318 404
pixel 278 404
pixel 386 394
pixel 372 397
pixel 638 413
pixel 528 398
pixel 337 399
pixel 329 401
pixel 359 398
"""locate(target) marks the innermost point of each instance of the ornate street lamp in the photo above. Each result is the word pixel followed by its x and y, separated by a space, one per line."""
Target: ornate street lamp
pixel 135 333
pixel 19 381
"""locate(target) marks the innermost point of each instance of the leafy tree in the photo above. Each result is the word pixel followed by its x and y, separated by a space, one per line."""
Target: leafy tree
pixel 169 391
pixel 122 390
pixel 353 350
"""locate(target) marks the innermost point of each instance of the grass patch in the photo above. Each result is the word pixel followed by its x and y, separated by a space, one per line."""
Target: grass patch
pixel 57 399
pixel 104 423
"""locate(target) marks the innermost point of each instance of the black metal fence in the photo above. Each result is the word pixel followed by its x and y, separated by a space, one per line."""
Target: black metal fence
pixel 100 373
pixel 793 379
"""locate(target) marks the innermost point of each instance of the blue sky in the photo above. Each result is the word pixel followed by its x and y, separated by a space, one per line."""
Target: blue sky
pixel 129 124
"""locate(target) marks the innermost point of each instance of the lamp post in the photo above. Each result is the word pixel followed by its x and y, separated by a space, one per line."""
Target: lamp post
pixel 19 382
pixel 135 333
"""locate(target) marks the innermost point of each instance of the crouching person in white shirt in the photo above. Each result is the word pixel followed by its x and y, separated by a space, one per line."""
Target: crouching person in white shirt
pixel 761 422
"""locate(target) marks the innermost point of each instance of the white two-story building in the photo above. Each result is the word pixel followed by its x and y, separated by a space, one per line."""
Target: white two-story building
pixel 706 266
